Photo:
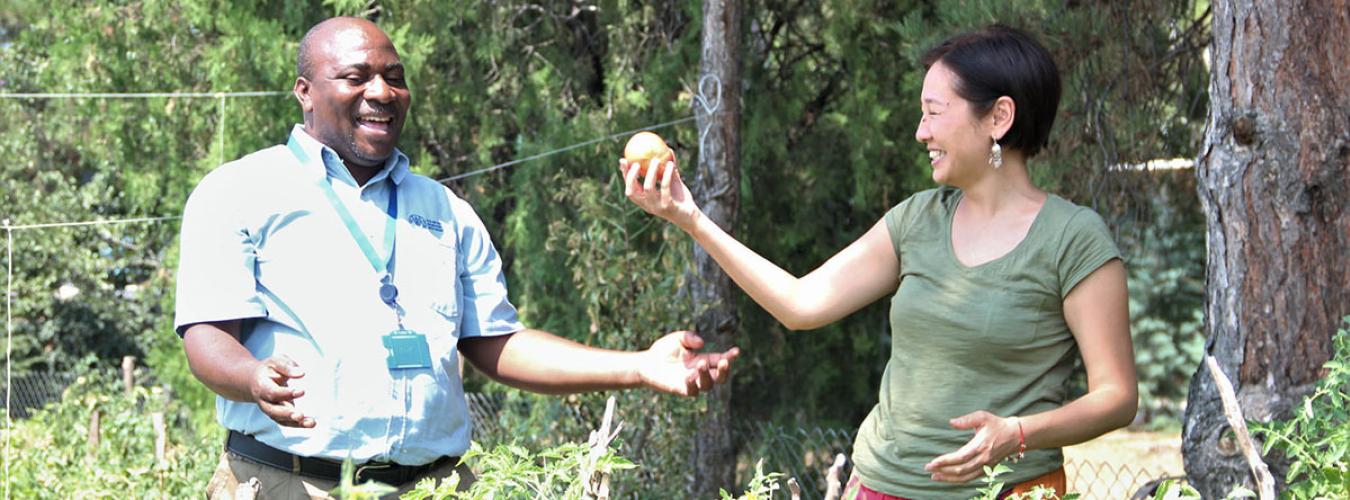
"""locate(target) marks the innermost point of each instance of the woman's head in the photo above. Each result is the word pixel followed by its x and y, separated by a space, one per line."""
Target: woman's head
pixel 996 62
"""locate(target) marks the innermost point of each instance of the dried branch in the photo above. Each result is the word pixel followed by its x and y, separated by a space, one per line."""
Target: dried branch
pixel 1265 483
pixel 833 487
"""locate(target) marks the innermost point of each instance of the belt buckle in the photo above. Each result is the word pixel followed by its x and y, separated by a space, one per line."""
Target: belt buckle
pixel 361 469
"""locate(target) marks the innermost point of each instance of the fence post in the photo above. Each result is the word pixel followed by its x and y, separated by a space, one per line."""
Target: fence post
pixel 93 432
pixel 161 439
pixel 128 377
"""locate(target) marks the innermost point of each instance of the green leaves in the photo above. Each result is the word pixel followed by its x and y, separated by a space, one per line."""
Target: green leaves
pixel 52 456
pixel 1317 438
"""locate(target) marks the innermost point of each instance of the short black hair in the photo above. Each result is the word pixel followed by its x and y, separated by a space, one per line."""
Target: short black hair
pixel 1002 61
pixel 303 66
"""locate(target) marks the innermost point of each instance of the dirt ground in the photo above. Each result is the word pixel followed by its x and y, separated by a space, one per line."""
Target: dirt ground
pixel 1116 465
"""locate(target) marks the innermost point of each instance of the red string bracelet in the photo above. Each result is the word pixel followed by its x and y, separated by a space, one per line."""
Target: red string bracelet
pixel 1021 442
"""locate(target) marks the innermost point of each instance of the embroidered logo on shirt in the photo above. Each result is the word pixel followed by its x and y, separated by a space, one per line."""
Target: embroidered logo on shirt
pixel 425 223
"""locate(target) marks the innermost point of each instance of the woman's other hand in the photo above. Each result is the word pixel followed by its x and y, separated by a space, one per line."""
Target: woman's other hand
pixel 996 438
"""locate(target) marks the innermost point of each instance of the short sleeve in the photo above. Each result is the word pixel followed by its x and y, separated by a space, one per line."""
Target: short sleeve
pixel 901 219
pixel 487 310
pixel 898 220
pixel 217 259
pixel 1086 246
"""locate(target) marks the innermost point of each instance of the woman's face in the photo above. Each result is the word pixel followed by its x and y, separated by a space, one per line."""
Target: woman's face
pixel 958 144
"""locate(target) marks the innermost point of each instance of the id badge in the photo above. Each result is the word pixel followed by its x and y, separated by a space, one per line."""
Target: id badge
pixel 406 350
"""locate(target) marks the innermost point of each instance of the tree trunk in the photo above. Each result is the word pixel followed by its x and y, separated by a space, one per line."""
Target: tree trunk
pixel 716 188
pixel 1274 182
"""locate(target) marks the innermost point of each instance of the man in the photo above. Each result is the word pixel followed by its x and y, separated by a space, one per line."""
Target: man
pixel 325 294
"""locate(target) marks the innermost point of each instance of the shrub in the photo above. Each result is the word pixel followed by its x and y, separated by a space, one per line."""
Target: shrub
pixel 1317 438
pixel 52 456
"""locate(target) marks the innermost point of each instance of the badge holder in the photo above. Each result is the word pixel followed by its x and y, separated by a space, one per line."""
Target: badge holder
pixel 406 349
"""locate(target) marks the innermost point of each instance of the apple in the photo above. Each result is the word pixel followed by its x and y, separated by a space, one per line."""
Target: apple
pixel 645 146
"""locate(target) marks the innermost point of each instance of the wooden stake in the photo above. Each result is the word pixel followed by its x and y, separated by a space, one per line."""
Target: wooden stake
pixel 833 487
pixel 128 376
pixel 161 438
pixel 597 483
pixel 93 432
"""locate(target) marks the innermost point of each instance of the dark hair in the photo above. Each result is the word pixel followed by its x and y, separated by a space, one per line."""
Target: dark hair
pixel 303 66
pixel 1001 61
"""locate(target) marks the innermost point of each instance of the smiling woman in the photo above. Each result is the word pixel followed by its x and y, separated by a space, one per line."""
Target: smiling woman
pixel 996 286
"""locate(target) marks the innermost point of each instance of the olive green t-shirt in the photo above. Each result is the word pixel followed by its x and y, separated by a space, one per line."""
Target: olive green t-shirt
pixel 990 337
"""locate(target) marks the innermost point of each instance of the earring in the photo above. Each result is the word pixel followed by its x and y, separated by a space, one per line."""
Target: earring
pixel 996 155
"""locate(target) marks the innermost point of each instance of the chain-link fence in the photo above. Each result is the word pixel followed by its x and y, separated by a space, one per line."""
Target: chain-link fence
pixel 33 390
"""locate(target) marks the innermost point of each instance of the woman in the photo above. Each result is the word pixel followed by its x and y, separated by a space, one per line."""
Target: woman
pixel 995 284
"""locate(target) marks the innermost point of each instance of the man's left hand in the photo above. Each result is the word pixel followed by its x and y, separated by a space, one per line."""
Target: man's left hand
pixel 674 364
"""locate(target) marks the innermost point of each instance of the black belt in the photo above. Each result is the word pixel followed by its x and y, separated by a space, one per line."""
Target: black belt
pixel 385 472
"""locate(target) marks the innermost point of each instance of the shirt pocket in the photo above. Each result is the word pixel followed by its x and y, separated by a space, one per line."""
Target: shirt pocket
pixel 446 294
pixel 1013 318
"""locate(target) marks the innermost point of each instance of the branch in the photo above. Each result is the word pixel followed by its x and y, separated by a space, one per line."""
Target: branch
pixel 833 487
pixel 1265 483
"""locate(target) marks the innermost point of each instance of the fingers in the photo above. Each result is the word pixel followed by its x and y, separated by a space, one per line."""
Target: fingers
pixel 957 461
pixel 691 341
pixel 630 174
pixel 722 369
pixel 970 420
pixel 968 462
pixel 286 414
pixel 649 183
pixel 669 177
pixel 274 397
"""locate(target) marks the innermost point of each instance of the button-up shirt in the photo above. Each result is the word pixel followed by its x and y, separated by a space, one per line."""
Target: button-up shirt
pixel 261 243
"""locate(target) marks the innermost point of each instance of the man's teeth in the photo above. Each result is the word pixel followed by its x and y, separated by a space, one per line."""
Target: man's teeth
pixel 933 155
pixel 378 119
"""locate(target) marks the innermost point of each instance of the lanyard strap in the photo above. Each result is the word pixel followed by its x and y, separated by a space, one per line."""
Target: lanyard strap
pixel 382 265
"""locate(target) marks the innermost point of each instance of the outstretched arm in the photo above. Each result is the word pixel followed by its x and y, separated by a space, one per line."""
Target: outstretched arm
pixel 217 358
pixel 542 362
pixel 858 275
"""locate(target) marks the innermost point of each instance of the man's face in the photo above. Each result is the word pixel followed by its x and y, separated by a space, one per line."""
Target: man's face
pixel 355 99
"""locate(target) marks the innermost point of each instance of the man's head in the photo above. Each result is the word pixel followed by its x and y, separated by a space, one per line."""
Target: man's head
pixel 352 90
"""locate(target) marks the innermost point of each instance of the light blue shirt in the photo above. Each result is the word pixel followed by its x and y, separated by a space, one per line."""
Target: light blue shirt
pixel 261 243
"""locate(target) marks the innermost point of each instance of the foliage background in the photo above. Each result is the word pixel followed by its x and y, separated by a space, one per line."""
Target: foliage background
pixel 829 112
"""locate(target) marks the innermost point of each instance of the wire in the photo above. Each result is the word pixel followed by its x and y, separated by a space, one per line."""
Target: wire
pixel 564 149
pixel 93 222
pixel 136 95
pixel 9 343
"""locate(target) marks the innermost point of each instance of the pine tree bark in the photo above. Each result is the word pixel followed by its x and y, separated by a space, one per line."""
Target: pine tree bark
pixel 1274 182
pixel 716 188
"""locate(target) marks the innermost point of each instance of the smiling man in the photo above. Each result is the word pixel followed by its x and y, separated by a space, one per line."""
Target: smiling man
pixel 330 310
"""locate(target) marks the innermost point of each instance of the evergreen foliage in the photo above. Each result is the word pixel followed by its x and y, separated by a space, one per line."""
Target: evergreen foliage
pixel 830 106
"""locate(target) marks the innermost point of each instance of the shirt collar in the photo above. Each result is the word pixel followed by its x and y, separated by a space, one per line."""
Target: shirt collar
pixel 395 168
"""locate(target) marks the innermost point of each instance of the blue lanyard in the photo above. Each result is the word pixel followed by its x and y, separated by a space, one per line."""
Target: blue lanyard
pixel 383 265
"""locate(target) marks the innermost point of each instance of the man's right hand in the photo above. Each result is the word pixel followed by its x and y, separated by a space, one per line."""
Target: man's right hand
pixel 219 360
pixel 268 386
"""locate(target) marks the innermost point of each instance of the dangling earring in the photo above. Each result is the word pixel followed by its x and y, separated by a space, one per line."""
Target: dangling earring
pixel 996 155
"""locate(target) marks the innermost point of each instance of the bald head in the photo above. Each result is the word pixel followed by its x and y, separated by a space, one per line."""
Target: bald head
pixel 353 92
pixel 313 39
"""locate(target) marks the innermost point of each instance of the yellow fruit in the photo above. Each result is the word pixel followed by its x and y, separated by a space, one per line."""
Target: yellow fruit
pixel 642 148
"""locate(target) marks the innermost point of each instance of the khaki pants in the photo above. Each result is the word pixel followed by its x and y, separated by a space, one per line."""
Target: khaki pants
pixel 274 483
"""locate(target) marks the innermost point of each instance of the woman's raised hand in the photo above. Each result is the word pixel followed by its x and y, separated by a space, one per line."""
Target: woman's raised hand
pixel 662 193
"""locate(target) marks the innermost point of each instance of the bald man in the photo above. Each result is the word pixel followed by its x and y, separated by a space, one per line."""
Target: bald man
pixel 325 293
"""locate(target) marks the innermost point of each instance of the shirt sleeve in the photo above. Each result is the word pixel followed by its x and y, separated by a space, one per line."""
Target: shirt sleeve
pixel 217 259
pixel 487 310
pixel 1086 246
pixel 900 218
